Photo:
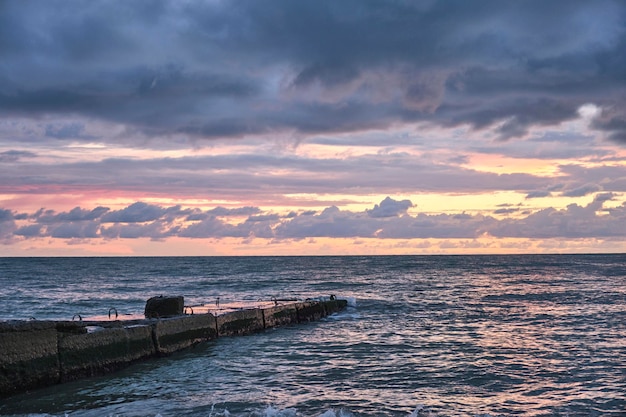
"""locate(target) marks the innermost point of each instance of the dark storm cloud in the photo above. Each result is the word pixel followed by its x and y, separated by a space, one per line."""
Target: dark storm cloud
pixel 67 131
pixel 219 69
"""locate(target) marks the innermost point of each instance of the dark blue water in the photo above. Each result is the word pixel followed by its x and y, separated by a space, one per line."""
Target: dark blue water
pixel 424 336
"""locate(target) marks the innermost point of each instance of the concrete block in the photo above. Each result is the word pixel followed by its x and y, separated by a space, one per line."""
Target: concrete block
pixel 94 353
pixel 140 342
pixel 280 315
pixel 159 307
pixel 310 311
pixel 76 327
pixel 240 322
pixel 333 306
pixel 28 356
pixel 177 333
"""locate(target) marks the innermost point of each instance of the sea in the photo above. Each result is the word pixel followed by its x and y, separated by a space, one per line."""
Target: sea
pixel 510 335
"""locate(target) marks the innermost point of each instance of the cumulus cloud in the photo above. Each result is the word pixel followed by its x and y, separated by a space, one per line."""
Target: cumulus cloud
pixel 390 208
pixel 239 211
pixel 75 215
pixel 7 226
pixel 31 230
pixel 136 213
pixel 575 221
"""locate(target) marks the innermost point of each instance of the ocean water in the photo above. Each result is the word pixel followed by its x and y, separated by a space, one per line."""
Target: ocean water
pixel 541 335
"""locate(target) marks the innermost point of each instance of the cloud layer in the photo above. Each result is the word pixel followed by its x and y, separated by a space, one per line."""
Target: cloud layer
pixel 282 120
pixel 229 69
pixel 387 220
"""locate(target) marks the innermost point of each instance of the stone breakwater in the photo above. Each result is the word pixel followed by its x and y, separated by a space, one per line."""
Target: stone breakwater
pixel 36 354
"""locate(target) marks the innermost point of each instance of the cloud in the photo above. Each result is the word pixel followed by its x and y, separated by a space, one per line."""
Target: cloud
pixel 328 102
pixel 29 231
pixel 574 222
pixel 538 194
pixel 83 230
pixel 506 211
pixel 14 156
pixel 7 226
pixel 602 197
pixel 136 213
pixel 75 215
pixel 240 211
pixel 67 131
pixel 583 190
pixel 265 175
pixel 263 218
pixel 390 208
pixel 154 230
pixel 230 69
pixel 141 220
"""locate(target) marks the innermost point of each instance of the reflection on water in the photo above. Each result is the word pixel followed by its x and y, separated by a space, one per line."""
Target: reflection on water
pixel 509 335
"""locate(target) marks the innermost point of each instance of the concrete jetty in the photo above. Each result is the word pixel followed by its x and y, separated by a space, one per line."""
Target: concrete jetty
pixel 36 354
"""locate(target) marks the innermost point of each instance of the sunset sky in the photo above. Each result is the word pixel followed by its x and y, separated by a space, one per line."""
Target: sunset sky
pixel 285 127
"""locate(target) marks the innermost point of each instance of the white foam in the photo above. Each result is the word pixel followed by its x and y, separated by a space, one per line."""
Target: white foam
pixel 421 411
pixel 351 301
pixel 417 411
pixel 274 412
pixel 333 413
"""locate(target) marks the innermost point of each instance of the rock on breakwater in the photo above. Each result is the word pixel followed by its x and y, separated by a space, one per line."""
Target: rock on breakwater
pixel 35 354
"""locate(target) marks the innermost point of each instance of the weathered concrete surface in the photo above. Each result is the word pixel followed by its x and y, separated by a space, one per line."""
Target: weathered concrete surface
pixel 310 311
pixel 280 315
pixel 240 322
pixel 334 306
pixel 35 354
pixel 88 354
pixel 28 355
pixel 140 342
pixel 176 333
pixel 159 307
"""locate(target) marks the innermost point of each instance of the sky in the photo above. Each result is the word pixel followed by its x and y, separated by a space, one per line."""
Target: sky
pixel 324 127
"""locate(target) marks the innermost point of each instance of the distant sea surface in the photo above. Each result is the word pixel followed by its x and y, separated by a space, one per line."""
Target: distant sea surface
pixel 541 335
